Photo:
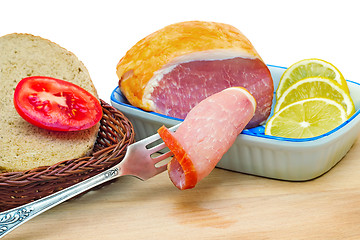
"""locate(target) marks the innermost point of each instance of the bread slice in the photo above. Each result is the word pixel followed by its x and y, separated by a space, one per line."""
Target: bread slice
pixel 24 146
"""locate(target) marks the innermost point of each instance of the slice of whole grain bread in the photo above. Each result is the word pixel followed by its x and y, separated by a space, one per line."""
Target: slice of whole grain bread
pixel 22 145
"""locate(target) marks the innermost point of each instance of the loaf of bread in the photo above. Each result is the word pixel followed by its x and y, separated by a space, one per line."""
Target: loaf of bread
pixel 174 68
pixel 24 146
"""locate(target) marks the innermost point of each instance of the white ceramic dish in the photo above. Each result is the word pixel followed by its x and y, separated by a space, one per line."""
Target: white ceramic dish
pixel 262 155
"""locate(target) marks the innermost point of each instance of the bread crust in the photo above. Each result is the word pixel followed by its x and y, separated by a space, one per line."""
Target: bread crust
pixel 24 146
pixel 162 47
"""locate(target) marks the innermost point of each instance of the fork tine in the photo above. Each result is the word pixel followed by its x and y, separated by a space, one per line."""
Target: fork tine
pixel 162 157
pixel 161 168
pixel 138 159
pixel 156 137
pixel 157 147
pixel 150 139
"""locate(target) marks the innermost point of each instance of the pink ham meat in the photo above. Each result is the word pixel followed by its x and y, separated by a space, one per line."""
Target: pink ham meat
pixel 206 134
pixel 190 82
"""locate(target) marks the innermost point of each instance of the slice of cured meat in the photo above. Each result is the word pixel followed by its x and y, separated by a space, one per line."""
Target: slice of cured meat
pixel 173 69
pixel 206 134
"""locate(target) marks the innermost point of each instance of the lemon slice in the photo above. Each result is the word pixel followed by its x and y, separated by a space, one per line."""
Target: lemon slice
pixel 316 87
pixel 306 118
pixel 310 68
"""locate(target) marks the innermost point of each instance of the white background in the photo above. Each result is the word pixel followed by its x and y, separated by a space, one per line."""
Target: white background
pixel 100 32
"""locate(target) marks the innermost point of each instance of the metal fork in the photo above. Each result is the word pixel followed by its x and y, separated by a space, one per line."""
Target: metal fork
pixel 138 162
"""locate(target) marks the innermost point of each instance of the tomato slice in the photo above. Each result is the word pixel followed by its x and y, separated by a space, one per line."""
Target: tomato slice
pixel 56 104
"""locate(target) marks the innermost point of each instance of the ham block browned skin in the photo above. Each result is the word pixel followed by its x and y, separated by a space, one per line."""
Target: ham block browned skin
pixel 206 134
pixel 174 68
pixel 191 82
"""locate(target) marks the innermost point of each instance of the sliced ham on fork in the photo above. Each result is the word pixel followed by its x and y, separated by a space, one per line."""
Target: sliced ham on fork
pixel 206 134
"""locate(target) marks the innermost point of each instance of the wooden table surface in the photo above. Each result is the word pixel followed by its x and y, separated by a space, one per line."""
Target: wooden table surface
pixel 224 205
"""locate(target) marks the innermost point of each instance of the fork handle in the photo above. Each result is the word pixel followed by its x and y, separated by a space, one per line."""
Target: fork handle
pixel 11 219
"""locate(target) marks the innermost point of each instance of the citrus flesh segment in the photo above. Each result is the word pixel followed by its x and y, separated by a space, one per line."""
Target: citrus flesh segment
pixel 316 87
pixel 306 118
pixel 310 68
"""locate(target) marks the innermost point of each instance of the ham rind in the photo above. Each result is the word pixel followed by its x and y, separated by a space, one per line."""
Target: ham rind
pixel 188 83
pixel 206 134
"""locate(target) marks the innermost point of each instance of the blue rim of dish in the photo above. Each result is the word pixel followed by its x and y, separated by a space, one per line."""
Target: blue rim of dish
pixel 256 131
pixel 269 65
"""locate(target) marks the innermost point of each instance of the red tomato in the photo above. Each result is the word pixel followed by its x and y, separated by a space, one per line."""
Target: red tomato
pixel 56 104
